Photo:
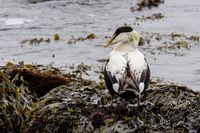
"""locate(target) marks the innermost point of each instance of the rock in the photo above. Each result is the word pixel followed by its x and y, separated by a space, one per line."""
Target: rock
pixel 186 110
pixel 80 109
pixel 38 82
pixel 64 109
pixel 85 106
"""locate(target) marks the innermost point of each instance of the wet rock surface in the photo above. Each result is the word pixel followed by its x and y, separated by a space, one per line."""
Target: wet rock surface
pixel 85 106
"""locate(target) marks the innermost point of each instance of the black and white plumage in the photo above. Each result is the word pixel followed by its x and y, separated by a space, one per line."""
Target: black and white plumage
pixel 126 73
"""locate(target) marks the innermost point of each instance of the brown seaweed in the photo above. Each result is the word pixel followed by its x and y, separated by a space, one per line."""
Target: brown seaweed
pixel 85 106
pixel 141 4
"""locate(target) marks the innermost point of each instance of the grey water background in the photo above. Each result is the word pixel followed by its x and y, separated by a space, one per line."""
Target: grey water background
pixel 20 20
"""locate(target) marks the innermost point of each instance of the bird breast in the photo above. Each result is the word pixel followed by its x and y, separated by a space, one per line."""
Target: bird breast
pixel 118 62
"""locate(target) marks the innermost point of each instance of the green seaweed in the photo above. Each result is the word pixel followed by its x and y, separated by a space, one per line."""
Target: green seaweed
pixel 88 37
pixel 56 37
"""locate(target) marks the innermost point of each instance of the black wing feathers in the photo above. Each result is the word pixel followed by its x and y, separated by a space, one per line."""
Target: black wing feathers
pixel 109 81
pixel 146 82
pixel 128 83
pixel 145 77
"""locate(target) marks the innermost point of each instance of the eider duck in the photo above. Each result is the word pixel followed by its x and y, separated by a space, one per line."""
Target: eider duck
pixel 126 73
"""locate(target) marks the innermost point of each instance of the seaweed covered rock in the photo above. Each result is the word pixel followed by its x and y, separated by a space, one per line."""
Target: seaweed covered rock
pixel 82 105
pixel 13 105
pixel 38 82
pixel 165 107
pixel 64 109
pixel 179 106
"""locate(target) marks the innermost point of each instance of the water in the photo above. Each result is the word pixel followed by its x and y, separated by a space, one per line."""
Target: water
pixel 20 20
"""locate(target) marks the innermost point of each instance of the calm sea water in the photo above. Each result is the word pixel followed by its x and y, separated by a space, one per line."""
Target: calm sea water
pixel 20 20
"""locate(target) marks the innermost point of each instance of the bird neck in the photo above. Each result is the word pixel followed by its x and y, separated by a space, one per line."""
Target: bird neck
pixel 125 47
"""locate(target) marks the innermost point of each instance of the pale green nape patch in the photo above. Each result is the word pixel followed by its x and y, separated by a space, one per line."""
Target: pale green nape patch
pixel 127 42
pixel 134 37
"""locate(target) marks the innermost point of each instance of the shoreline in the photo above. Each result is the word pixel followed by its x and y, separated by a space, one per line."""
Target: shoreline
pixel 75 104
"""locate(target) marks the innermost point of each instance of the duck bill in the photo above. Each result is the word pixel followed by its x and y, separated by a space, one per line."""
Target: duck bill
pixel 109 42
